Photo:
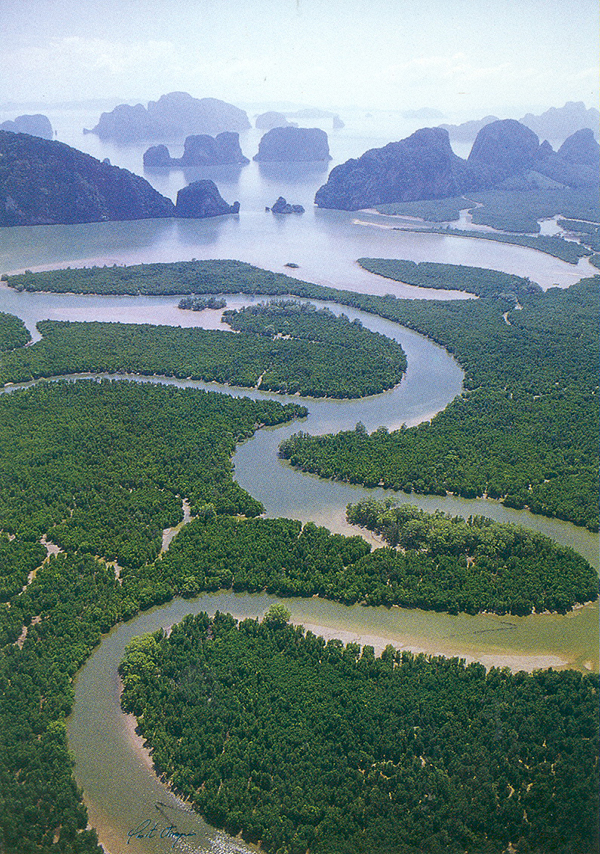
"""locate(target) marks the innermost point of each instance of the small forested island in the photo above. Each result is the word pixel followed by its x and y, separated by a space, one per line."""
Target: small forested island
pixel 301 745
pixel 475 280
pixel 435 562
pixel 194 303
pixel 286 347
pixel 202 199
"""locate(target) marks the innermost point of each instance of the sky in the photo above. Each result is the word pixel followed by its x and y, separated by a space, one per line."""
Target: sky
pixel 463 57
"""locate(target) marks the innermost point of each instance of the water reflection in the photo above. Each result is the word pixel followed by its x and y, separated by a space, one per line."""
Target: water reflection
pixel 294 173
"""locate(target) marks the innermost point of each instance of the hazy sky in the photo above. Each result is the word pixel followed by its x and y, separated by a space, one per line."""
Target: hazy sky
pixel 472 56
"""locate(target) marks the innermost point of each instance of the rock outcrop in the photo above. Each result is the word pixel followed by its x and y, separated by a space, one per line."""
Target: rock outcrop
pixel 293 144
pixel 575 164
pixel 159 156
pixel 501 149
pixel 35 125
pixel 173 116
pixel 202 199
pixel 281 207
pixel 200 150
pixel 271 119
pixel 581 148
pixel 505 155
pixel 423 166
pixel 46 183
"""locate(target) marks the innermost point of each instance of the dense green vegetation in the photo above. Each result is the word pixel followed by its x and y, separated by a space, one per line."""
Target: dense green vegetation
pixel 18 558
pixel 524 431
pixel 352 361
pixel 99 467
pixel 179 277
pixel 431 210
pixel 311 746
pixel 194 303
pixel 520 210
pixel 566 250
pixel 428 274
pixel 444 564
pixel 74 600
pixel 287 348
pixel 587 232
pixel 506 210
pixel 473 564
pixel 12 332
pixel 523 437
pixel 102 466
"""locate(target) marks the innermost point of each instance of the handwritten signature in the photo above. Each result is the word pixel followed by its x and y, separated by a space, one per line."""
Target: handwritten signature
pixel 149 829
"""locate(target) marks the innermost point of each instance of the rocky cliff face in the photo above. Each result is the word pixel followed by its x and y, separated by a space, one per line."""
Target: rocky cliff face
pixel 423 166
pixel 200 150
pixel 36 125
pixel 45 183
pixel 291 144
pixel 202 199
pixel 173 116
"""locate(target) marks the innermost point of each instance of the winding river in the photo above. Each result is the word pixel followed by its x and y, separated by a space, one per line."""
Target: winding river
pixel 122 793
pixel 124 798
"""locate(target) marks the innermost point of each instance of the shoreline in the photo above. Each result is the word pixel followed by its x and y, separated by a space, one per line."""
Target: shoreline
pixel 514 661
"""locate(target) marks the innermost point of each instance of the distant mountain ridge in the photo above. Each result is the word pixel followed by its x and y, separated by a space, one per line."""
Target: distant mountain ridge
pixel 173 116
pixel 505 155
pixel 556 123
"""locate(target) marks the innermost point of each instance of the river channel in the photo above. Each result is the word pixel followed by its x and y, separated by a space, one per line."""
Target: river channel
pixel 120 788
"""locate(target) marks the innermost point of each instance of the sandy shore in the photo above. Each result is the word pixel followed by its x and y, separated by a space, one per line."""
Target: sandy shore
pixel 136 741
pixel 514 662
